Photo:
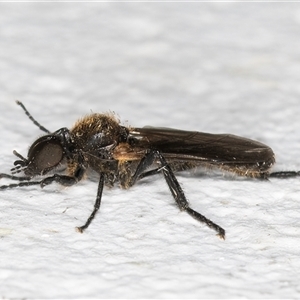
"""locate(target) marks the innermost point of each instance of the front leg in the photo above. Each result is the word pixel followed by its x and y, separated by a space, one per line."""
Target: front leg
pixel 65 180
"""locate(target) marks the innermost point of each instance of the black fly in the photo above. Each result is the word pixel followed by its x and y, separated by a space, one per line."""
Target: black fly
pixel 126 155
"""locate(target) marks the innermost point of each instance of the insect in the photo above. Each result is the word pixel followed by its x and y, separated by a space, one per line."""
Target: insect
pixel 127 154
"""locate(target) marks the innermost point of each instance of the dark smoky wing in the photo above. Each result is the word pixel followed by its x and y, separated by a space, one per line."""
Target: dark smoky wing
pixel 205 147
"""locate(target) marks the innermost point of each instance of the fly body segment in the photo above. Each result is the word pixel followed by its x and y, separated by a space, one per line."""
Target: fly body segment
pixel 125 155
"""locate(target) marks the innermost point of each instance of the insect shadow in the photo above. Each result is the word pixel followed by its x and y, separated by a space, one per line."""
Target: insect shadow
pixel 125 155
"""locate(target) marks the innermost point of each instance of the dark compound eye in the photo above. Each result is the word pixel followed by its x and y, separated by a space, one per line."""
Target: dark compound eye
pixel 45 154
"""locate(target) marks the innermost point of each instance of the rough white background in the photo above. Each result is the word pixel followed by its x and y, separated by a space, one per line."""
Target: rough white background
pixel 212 67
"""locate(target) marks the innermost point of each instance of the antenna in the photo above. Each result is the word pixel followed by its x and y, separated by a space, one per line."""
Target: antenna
pixel 31 117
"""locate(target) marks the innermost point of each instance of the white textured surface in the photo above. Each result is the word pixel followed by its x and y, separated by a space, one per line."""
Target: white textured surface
pixel 222 67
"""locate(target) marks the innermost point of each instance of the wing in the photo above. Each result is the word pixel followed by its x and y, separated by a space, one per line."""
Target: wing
pixel 214 149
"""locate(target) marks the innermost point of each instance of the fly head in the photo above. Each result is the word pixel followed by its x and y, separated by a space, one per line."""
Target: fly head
pixel 45 154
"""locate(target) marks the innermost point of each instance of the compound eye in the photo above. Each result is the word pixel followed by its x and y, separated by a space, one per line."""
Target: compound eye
pixel 44 155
